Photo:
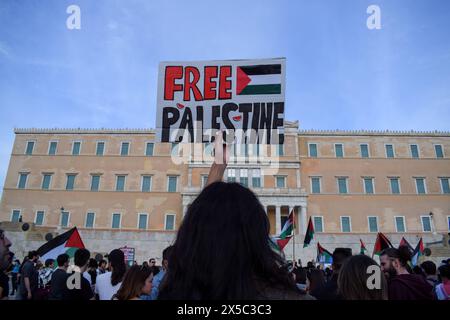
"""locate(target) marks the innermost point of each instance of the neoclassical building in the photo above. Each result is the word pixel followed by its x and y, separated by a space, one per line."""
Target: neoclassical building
pixel 120 186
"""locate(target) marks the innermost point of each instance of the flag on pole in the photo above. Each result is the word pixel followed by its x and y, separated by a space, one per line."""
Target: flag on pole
pixel 309 234
pixel 381 243
pixel 363 247
pixel 67 242
pixel 418 251
pixel 287 232
pixel 404 242
pixel 323 255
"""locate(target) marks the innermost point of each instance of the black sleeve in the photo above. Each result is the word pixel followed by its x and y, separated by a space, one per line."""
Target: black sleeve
pixel 87 293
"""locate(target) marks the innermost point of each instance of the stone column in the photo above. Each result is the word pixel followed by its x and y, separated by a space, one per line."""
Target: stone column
pixel 277 219
pixel 302 219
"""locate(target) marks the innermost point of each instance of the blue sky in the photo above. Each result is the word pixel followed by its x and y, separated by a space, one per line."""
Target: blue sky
pixel 340 74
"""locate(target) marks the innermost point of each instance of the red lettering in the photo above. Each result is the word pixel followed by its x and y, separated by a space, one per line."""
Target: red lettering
pixel 172 73
pixel 209 87
pixel 225 82
pixel 191 84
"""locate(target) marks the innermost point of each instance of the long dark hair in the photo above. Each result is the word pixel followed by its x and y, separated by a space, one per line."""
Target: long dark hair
pixel 133 282
pixel 353 276
pixel 222 249
pixel 117 260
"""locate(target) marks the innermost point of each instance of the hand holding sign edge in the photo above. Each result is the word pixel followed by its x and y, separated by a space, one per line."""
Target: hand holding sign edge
pixel 221 157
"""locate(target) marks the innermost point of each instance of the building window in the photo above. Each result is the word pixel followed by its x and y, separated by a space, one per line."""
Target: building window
pixel 448 223
pixel 149 149
pixel 146 183
pixel 426 223
pixel 445 185
pixel 174 148
pixel 116 220
pixel 46 180
pixel 95 182
pixel 243 177
pixel 368 185
pixel 364 148
pixel 172 183
pixel 204 178
pixel 15 216
pixel 420 185
pixel 90 217
pixel 312 150
pixel 70 183
pixel 100 150
pixel 208 149
pixel 281 181
pixel 400 224
pixel 315 184
pixel 142 223
pixel 64 222
pixel 318 224
pixel 124 148
pixel 170 222
pixel 231 175
pixel 52 148
pixel 414 151
pixel 30 147
pixel 395 185
pixel 342 185
pixel 23 177
pixel 256 178
pixel 280 150
pixel 346 224
pixel 439 151
pixel 76 147
pixel 373 224
pixel 120 183
pixel 39 220
pixel 339 150
pixel 389 151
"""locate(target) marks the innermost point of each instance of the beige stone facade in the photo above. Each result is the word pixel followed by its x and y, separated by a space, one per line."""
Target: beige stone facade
pixel 322 174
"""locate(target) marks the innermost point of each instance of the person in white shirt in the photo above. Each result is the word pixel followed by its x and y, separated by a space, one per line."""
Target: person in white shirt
pixel 108 283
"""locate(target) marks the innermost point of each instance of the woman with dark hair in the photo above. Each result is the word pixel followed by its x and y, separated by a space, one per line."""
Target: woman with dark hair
pixel 108 283
pixel 354 277
pixel 92 271
pixel 401 283
pixel 316 279
pixel 222 249
pixel 137 282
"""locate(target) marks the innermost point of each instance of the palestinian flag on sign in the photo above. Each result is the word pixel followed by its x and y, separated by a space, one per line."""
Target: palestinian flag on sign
pixel 323 255
pixel 418 251
pixel 404 242
pixel 287 232
pixel 258 79
pixel 309 234
pixel 363 247
pixel 68 242
pixel 381 243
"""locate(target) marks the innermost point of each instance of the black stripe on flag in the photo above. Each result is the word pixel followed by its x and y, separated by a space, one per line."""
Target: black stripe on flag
pixel 261 69
pixel 55 242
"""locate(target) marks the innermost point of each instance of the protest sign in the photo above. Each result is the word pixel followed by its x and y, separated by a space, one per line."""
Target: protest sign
pixel 244 98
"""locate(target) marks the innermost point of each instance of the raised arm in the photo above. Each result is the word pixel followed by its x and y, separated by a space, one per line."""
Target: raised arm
pixel 221 157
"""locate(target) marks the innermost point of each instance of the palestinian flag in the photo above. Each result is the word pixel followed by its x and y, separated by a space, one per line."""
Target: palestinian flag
pixel 309 234
pixel 381 243
pixel 287 232
pixel 323 255
pixel 258 79
pixel 363 247
pixel 404 242
pixel 68 242
pixel 418 251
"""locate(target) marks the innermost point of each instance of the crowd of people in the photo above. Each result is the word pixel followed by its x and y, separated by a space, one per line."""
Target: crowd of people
pixel 223 252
